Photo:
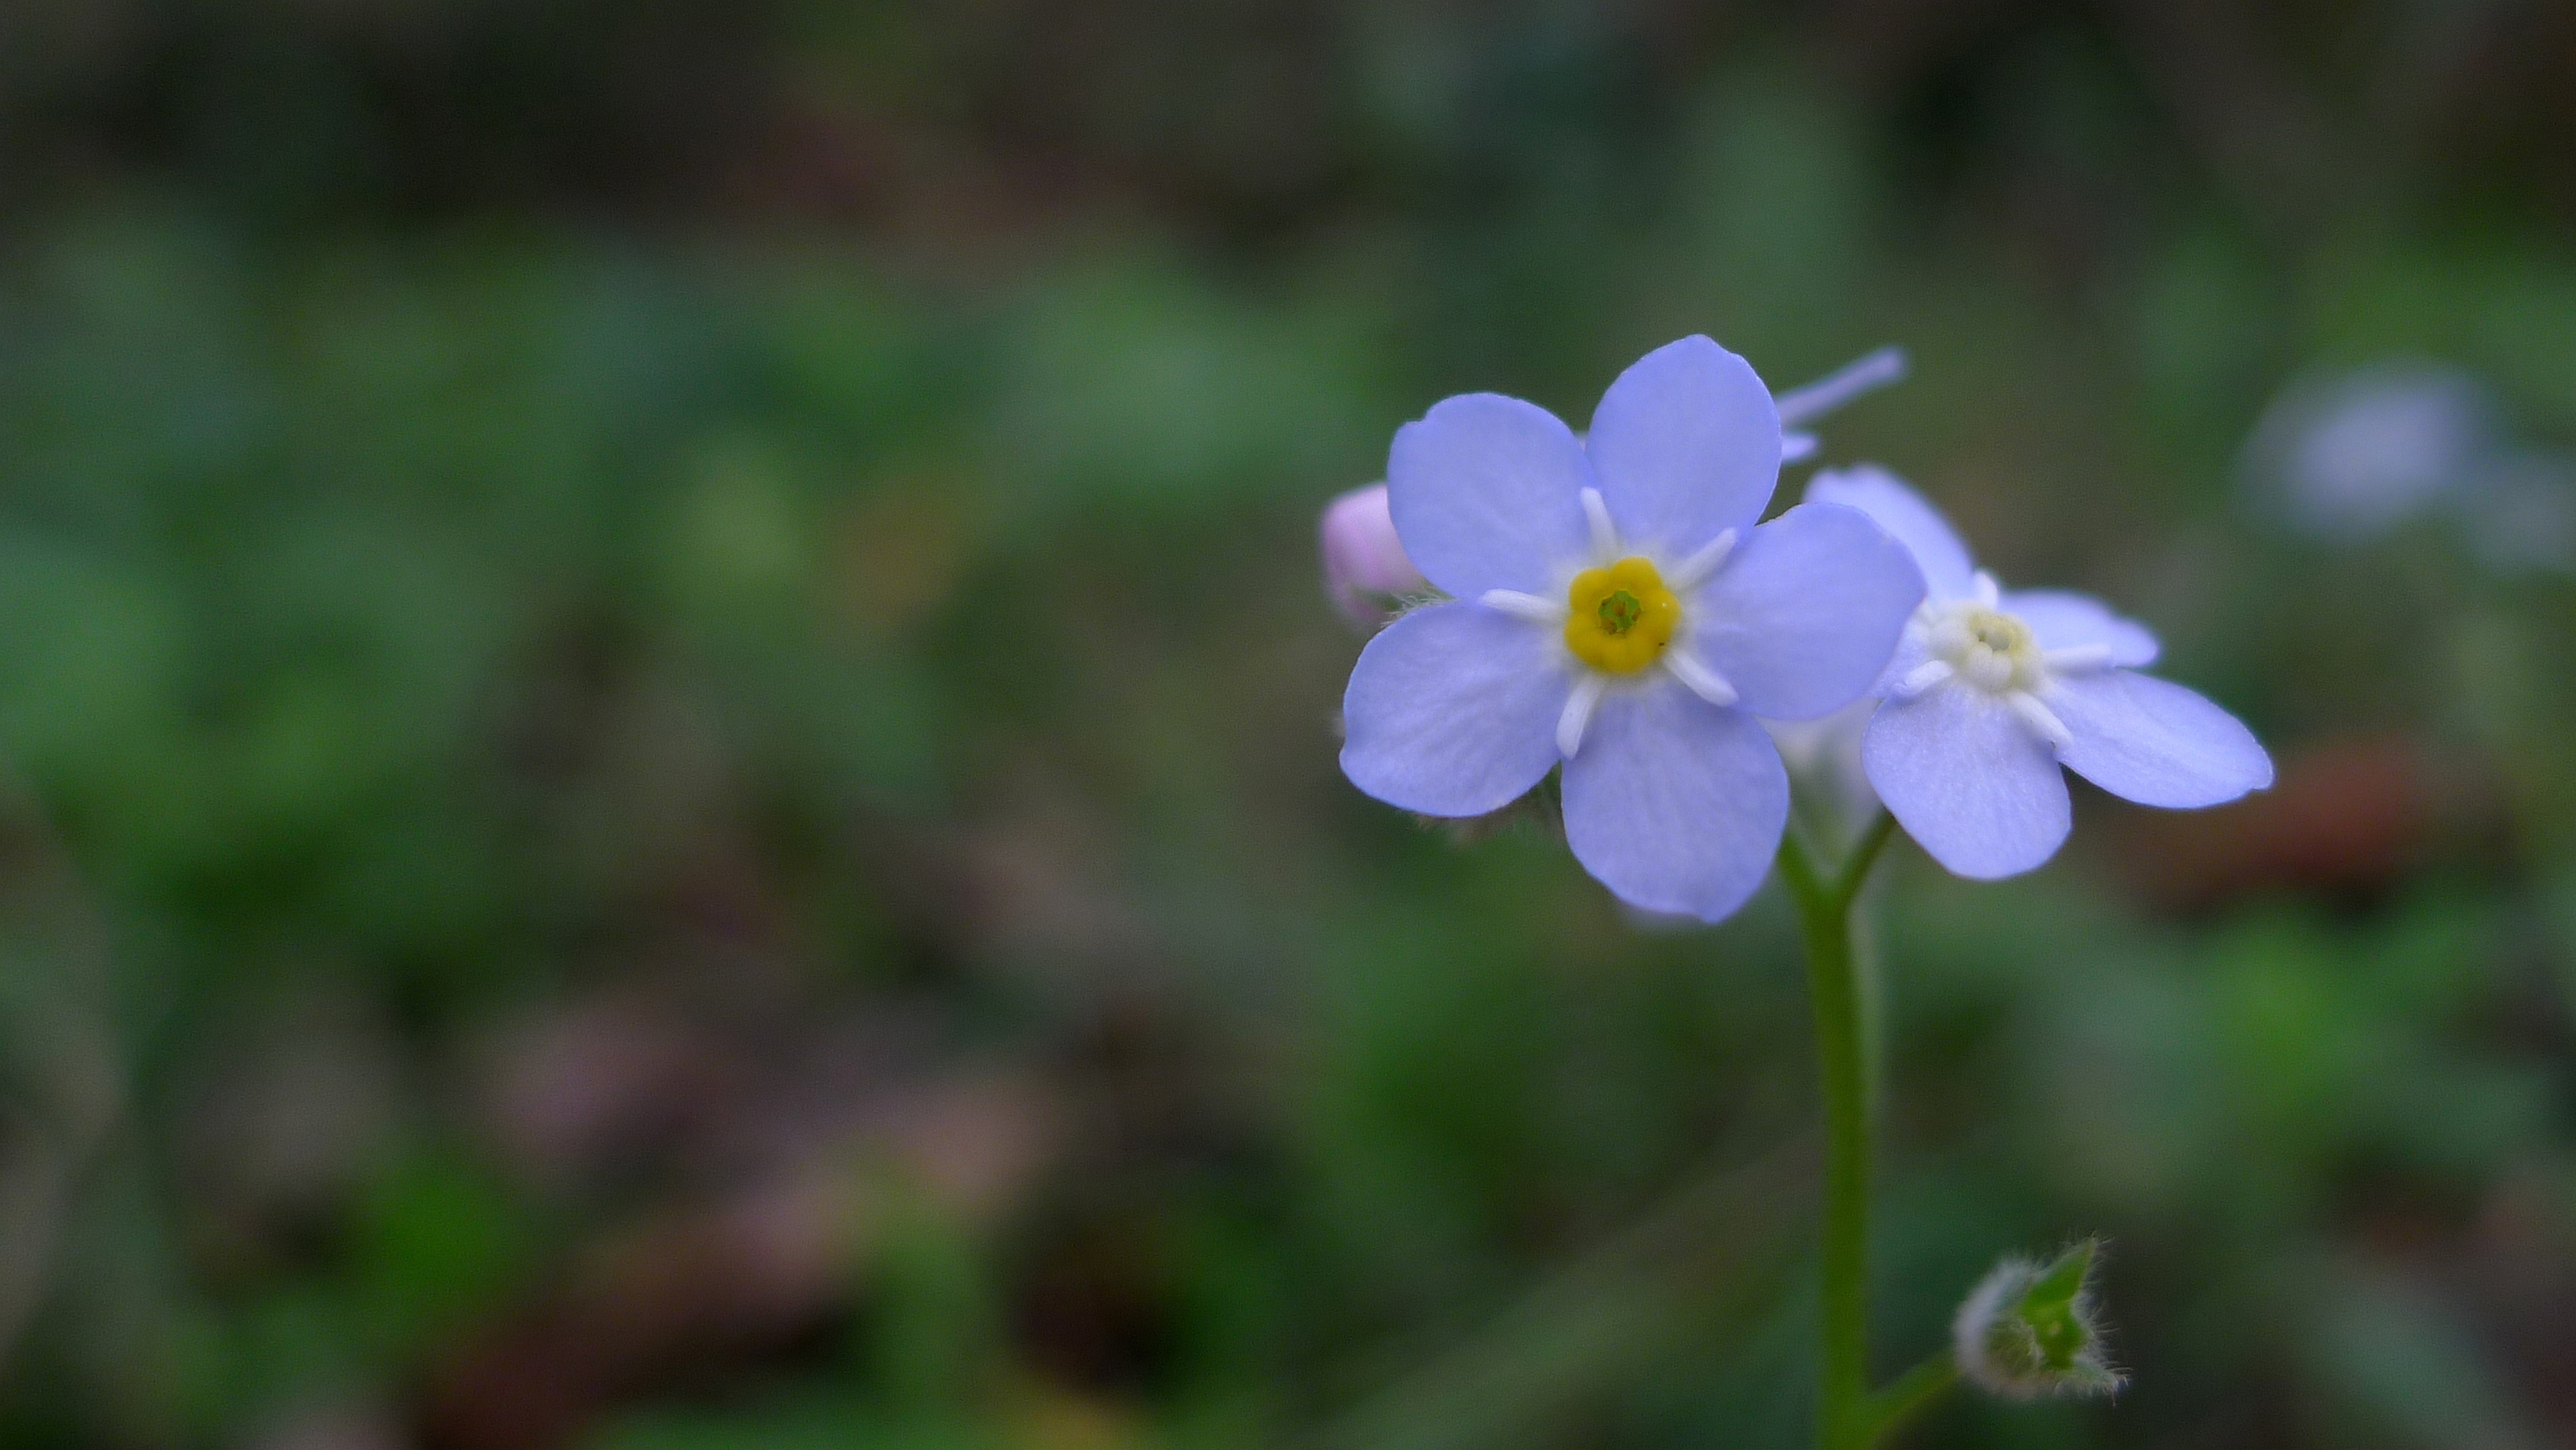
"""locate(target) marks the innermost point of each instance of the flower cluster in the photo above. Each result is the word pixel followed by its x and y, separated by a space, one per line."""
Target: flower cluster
pixel 1618 608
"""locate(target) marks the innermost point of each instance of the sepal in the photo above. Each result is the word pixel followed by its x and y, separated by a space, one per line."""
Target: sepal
pixel 2032 1329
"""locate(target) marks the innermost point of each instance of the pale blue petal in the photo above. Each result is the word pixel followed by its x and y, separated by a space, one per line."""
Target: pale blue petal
pixel 1947 565
pixel 1968 781
pixel 1487 493
pixel 1687 445
pixel 1913 648
pixel 2060 620
pixel 1452 709
pixel 1673 803
pixel 1806 612
pixel 2156 743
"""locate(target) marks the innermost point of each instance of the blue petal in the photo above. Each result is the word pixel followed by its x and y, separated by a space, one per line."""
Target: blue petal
pixel 1947 565
pixel 1807 611
pixel 1968 781
pixel 1912 650
pixel 1452 709
pixel 2156 743
pixel 1673 803
pixel 1687 445
pixel 2060 620
pixel 1487 493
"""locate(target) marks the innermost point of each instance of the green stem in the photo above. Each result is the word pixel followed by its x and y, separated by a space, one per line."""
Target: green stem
pixel 1824 919
pixel 1909 1395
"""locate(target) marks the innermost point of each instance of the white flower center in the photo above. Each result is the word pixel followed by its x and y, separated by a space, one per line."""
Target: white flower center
pixel 1975 642
pixel 1988 648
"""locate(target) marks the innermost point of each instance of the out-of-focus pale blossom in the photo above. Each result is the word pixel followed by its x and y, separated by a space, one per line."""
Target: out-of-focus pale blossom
pixel 2350 455
pixel 1365 568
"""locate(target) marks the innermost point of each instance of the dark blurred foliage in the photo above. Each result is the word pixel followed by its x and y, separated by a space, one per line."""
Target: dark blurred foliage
pixel 671 733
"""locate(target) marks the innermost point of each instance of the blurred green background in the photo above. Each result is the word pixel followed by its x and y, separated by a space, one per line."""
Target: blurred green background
pixel 669 727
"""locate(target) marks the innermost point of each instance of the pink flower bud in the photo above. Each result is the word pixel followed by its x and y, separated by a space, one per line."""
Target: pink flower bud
pixel 1365 569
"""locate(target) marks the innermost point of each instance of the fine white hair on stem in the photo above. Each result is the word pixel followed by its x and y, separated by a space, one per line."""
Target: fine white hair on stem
pixel 1694 571
pixel 2078 658
pixel 1605 534
pixel 1531 607
pixel 1578 713
pixel 1816 399
pixel 2043 721
pixel 1702 681
pixel 1922 677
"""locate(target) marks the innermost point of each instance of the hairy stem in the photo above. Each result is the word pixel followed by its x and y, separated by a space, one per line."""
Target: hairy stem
pixel 1833 984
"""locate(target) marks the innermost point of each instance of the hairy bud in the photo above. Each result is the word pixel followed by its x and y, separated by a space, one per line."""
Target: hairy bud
pixel 2031 1329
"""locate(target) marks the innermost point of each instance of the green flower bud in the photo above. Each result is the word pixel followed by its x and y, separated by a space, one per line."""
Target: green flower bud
pixel 2031 1329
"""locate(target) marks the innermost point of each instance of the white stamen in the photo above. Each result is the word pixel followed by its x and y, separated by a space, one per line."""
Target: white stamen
pixel 1578 712
pixel 2043 722
pixel 1990 595
pixel 1605 535
pixel 1694 571
pixel 1877 370
pixel 1922 677
pixel 1702 681
pixel 1797 447
pixel 2078 658
pixel 1524 606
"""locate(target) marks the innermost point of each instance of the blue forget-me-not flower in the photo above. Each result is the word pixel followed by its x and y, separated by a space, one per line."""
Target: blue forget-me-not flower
pixel 1989 693
pixel 1616 607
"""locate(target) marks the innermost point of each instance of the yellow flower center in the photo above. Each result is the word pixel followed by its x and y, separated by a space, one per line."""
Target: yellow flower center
pixel 1620 617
